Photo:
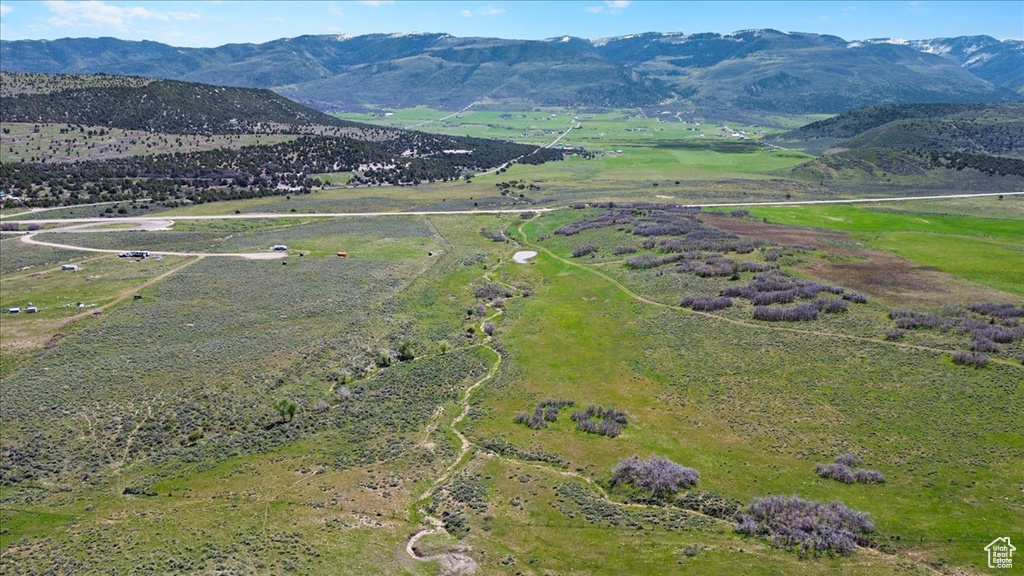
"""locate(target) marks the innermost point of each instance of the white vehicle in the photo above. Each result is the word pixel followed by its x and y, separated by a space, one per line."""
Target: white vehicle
pixel 14 310
pixel 31 310
pixel 71 267
pixel 279 248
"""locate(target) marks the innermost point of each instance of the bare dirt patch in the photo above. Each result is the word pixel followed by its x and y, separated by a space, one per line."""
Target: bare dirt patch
pixel 842 260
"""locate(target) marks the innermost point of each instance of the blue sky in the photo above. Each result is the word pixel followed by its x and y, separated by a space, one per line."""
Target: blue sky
pixel 203 24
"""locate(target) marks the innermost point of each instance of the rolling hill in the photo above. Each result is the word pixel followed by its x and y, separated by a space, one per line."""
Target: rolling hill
pixel 761 70
pixel 954 146
pixel 309 143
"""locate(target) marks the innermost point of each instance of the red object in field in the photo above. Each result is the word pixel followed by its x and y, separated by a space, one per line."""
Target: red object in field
pixel 342 254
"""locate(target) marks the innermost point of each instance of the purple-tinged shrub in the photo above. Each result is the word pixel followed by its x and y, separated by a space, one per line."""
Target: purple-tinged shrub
pixel 600 420
pixel 848 459
pixel 806 526
pixel 535 420
pixel 842 470
pixel 970 359
pixel 624 250
pixel 1000 334
pixel 584 250
pixel 558 403
pixel 855 297
pixel 656 477
pixel 757 266
pixel 779 297
pixel 648 243
pixel 493 236
pixel 609 428
pixel 799 313
pixel 493 290
pixel 999 310
pixel 667 229
pixel 772 255
pixel 910 320
pixel 642 262
pixel 706 303
pixel 835 471
pixel 488 328
pixel 984 345
pixel 830 305
pixel 895 334
pixel 645 261
pixel 864 476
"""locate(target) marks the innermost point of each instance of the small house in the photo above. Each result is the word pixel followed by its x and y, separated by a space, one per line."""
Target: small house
pixel 69 267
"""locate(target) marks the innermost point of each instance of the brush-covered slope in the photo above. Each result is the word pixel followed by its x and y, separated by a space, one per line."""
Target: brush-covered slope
pixel 155 105
pixel 996 129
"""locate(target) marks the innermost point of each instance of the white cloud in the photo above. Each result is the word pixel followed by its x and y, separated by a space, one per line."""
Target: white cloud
pixel 376 2
pixel 483 11
pixel 5 10
pixel 612 6
pixel 98 14
pixel 333 9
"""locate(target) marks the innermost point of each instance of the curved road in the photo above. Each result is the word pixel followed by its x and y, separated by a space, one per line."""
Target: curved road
pixel 164 223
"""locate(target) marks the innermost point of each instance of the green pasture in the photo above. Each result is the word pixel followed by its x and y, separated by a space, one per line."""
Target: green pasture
pixel 986 250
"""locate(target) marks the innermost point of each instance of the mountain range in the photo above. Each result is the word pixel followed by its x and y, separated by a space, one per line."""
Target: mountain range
pixel 759 70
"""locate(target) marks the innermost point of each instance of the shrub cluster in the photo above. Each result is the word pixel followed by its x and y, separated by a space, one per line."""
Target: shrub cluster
pixel 805 525
pixel 584 250
pixel 970 359
pixel 656 477
pixel 493 290
pixel 997 310
pixel 545 411
pixel 842 470
pixel 492 236
pixel 830 305
pixel 710 503
pixel 706 303
pixel 798 313
pixel 600 420
pixel 911 320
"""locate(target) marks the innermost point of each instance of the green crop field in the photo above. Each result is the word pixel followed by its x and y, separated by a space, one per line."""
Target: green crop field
pixel 426 405
pixel 986 249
